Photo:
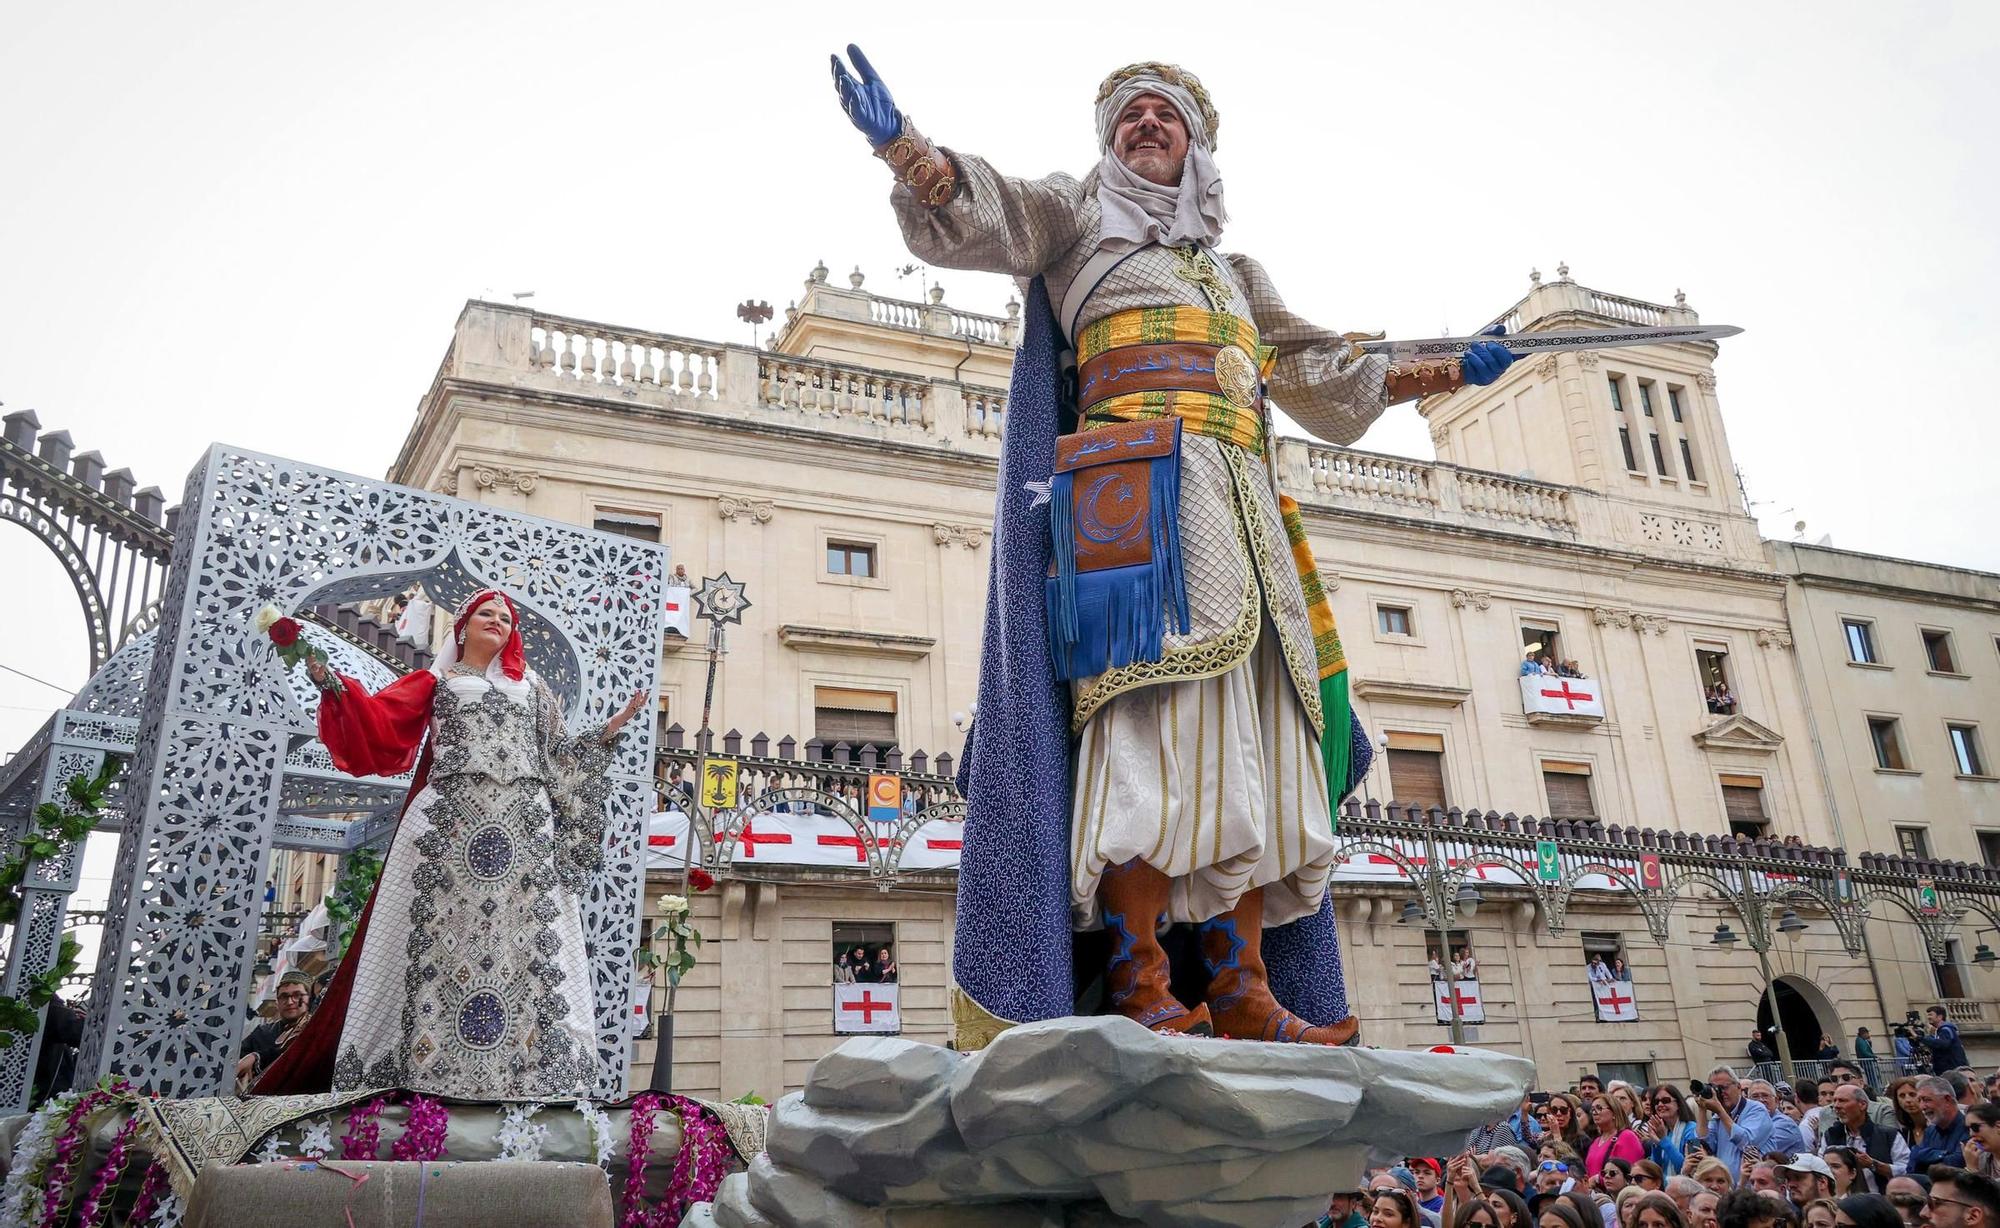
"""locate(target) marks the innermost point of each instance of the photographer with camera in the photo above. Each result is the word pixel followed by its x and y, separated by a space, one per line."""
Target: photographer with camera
pixel 1941 1038
pixel 1726 1121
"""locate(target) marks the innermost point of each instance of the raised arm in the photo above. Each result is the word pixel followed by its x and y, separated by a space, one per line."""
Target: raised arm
pixel 955 210
pixel 1320 380
pixel 374 735
pixel 1329 387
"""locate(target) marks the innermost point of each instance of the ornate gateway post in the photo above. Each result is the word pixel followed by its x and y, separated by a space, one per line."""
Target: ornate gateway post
pixel 221 716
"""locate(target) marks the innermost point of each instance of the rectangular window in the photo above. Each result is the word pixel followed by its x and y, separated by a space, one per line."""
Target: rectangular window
pixel 1617 396
pixel 1913 842
pixel 1743 806
pixel 1888 740
pixel 1965 750
pixel 850 559
pixel 1674 402
pixel 627 524
pixel 1989 847
pixel 1625 441
pixel 1568 786
pixel 1687 461
pixel 1950 982
pixel 865 959
pixel 1659 457
pixel 1860 641
pixel 1712 664
pixel 858 718
pixel 1416 769
pixel 1393 619
pixel 1646 398
pixel 1539 642
pixel 1937 646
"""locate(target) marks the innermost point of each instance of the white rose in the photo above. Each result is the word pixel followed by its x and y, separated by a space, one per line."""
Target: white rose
pixel 268 615
pixel 671 905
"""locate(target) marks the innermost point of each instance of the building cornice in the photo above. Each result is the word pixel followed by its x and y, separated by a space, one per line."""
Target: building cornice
pixel 864 643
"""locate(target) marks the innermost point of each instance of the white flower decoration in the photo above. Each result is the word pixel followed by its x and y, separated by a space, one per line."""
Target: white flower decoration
pixel 520 1139
pixel 602 1140
pixel 317 1139
pixel 673 905
pixel 268 615
pixel 271 1152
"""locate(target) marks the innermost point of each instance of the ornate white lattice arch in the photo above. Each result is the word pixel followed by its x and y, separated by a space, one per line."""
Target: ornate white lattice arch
pixel 224 727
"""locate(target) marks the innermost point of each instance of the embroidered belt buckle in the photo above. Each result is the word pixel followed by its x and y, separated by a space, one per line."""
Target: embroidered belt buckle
pixel 1170 366
pixel 1116 573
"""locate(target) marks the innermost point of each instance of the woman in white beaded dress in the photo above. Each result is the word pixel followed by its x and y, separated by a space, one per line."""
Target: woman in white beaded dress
pixel 476 982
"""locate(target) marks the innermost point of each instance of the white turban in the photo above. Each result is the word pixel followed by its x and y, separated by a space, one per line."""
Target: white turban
pixel 1137 211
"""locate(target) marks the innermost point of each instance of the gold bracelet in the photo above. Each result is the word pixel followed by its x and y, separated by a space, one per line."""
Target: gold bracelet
pixel 920 166
pixel 1424 378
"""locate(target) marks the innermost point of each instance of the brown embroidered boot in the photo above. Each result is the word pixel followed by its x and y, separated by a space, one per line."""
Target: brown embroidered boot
pixel 1133 898
pixel 1239 995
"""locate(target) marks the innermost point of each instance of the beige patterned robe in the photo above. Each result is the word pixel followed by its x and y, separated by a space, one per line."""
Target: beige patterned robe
pixel 1200 763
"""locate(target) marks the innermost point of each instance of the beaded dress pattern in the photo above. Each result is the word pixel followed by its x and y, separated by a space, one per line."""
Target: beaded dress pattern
pixel 489 996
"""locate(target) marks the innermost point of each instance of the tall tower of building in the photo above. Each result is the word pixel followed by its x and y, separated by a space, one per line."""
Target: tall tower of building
pixel 1639 426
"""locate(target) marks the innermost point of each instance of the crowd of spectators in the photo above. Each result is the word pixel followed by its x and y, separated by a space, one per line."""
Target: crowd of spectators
pixel 1720 1152
pixel 1548 666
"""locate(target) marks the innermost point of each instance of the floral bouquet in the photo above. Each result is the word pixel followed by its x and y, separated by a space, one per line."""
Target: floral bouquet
pixel 293 647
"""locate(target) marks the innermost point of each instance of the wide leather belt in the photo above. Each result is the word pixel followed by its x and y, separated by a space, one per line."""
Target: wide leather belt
pixel 1227 371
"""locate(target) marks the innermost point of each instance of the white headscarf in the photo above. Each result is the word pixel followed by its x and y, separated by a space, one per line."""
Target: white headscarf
pixel 1137 211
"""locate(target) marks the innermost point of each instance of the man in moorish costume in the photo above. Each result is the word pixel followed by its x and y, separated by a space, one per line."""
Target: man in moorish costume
pixel 1144 560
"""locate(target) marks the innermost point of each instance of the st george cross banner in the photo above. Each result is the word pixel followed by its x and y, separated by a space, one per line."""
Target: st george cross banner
pixel 1616 1003
pixel 1471 1005
pixel 866 1008
pixel 666 841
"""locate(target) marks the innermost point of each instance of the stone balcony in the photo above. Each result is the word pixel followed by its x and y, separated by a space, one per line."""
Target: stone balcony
pixel 926 375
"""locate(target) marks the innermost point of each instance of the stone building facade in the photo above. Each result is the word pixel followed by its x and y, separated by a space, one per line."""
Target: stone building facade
pixel 1584 506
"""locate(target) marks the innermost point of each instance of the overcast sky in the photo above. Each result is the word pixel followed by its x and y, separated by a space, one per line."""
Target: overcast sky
pixel 256 223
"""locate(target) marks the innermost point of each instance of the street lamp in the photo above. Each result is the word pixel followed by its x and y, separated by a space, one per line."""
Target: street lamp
pixel 1469 899
pixel 1791 925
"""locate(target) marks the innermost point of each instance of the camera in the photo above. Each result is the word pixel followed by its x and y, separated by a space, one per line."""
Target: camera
pixel 1538 1098
pixel 1700 1090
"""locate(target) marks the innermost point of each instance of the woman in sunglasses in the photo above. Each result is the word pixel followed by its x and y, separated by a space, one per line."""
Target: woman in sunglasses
pixel 1566 1121
pixel 1664 1127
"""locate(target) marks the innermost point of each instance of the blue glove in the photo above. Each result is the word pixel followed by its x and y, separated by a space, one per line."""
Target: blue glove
pixel 866 101
pixel 1484 361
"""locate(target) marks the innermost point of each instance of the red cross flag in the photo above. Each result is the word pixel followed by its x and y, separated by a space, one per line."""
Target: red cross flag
pixel 866 1008
pixel 1471 1007
pixel 1615 1002
pixel 1543 693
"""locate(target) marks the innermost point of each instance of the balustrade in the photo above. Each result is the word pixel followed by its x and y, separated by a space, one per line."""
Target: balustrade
pixel 831 390
pixel 985 412
pixel 1341 474
pixel 1630 310
pixel 592 353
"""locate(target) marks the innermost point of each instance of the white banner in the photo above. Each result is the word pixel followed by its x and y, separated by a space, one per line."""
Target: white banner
pixel 680 609
pixel 934 846
pixel 1616 1003
pixel 642 999
pixel 1471 1006
pixel 1561 696
pixel 866 1008
pixel 809 840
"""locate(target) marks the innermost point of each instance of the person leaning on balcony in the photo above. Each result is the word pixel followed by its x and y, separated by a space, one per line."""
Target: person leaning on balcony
pixel 1945 1130
pixel 1530 667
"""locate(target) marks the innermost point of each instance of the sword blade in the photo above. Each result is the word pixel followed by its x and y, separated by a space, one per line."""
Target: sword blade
pixel 1552 341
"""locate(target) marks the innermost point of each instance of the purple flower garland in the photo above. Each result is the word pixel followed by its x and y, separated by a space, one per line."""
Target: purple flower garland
pixel 699 1167
pixel 364 1130
pixel 149 1193
pixel 75 1131
pixel 97 1203
pixel 424 1134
